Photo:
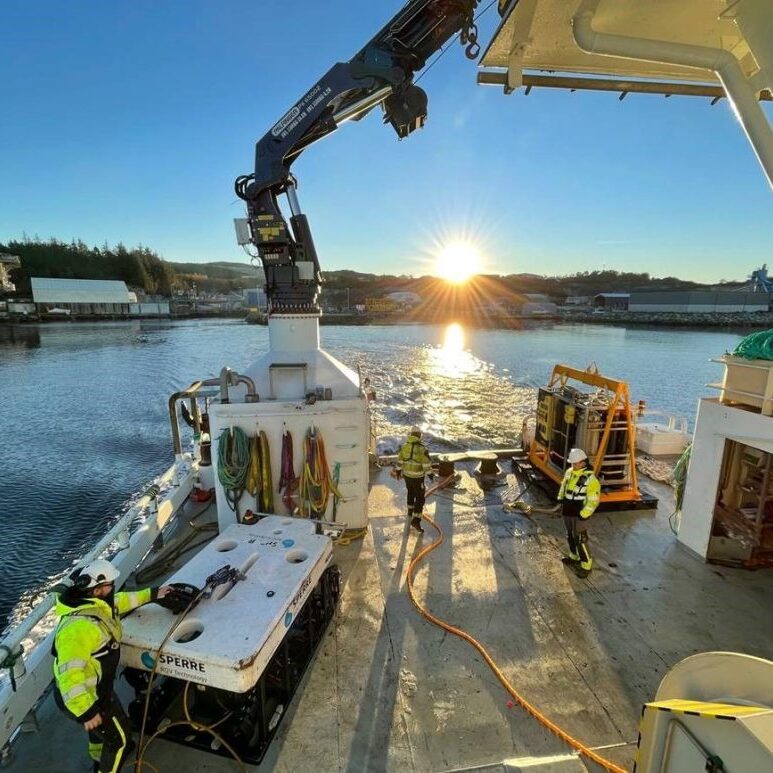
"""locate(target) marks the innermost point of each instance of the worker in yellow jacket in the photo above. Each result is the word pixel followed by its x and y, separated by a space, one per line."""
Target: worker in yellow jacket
pixel 86 653
pixel 579 494
pixel 413 463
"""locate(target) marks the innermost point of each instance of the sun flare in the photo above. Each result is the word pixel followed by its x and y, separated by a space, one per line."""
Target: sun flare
pixel 458 261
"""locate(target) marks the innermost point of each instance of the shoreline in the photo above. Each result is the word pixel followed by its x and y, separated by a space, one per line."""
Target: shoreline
pixel 708 321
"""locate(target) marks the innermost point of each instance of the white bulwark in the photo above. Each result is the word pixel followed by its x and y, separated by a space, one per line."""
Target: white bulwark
pixel 228 639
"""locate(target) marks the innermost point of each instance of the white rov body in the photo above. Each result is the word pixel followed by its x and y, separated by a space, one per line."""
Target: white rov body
pixel 227 640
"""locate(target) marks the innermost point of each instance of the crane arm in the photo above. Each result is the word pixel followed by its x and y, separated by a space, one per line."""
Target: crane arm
pixel 381 73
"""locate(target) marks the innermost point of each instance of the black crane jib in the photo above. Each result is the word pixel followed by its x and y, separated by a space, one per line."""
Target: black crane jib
pixel 381 73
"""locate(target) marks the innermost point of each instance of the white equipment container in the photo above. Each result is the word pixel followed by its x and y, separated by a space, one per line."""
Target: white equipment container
pixel 227 640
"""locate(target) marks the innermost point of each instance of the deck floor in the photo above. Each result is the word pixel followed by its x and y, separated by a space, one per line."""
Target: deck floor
pixel 388 691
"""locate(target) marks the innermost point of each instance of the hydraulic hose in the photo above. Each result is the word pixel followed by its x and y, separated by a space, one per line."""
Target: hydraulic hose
pixel 584 750
pixel 233 461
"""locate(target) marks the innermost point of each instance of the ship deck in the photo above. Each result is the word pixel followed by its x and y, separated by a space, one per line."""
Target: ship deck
pixel 389 691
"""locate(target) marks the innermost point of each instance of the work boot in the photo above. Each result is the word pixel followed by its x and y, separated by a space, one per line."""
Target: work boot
pixel 581 573
pixel 569 561
pixel 416 523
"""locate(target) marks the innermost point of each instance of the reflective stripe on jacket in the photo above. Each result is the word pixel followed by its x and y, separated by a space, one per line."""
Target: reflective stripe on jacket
pixel 413 459
pixel 86 633
pixel 581 485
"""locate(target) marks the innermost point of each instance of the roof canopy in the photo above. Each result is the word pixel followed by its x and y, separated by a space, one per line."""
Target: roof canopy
pixel 48 290
pixel 538 35
pixel 712 48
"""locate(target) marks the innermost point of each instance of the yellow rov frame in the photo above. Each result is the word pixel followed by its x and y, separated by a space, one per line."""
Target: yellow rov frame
pixel 600 422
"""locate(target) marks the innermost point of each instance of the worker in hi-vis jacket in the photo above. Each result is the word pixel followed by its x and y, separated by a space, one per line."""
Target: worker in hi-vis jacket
pixel 86 653
pixel 579 494
pixel 413 464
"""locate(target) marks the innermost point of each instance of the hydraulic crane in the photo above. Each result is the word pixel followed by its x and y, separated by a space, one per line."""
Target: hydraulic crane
pixel 381 73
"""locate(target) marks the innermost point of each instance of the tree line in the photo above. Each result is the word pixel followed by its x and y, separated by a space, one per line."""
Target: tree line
pixel 140 267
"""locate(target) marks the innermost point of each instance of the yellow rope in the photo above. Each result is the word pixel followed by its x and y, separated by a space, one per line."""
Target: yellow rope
pixel 531 709
pixel 351 536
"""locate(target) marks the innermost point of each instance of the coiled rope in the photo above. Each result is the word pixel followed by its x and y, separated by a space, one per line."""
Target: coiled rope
pixel 316 482
pixel 254 482
pixel 287 478
pixel 266 501
pixel 679 482
pixel 233 461
pixel 531 709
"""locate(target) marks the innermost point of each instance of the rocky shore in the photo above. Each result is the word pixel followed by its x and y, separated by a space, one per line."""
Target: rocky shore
pixel 750 320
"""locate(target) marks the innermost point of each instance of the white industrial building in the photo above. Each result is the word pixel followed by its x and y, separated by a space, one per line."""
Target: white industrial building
pixel 405 297
pixel 681 301
pixel 91 298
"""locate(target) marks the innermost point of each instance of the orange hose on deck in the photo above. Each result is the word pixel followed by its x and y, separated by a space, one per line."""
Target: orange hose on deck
pixel 584 750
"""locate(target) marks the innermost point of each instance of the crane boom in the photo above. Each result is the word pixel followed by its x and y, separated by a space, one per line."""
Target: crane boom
pixel 381 73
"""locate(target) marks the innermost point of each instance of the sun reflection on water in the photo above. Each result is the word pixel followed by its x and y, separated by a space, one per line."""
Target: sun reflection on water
pixel 451 359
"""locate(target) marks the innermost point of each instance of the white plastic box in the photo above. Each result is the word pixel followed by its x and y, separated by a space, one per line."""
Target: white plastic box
pixel 660 440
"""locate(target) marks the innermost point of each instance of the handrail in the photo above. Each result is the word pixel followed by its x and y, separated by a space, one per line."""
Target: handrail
pixel 17 634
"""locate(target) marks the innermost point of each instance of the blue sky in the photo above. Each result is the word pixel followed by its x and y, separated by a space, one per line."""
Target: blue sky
pixel 129 122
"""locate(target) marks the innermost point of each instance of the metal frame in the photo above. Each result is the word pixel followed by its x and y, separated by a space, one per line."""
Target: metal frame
pixel 617 85
pixel 620 402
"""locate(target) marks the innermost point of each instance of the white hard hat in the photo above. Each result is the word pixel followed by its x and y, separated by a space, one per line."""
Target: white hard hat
pixel 415 431
pixel 98 572
pixel 577 455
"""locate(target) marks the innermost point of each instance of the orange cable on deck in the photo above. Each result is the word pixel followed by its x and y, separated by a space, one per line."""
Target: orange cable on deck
pixel 584 750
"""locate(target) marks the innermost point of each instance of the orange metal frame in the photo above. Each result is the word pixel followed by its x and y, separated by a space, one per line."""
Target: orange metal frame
pixel 620 401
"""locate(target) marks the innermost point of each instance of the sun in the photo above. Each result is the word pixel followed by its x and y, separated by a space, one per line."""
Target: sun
pixel 458 261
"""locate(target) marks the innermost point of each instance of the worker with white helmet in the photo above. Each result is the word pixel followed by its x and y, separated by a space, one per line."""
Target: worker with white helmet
pixel 579 493
pixel 86 653
pixel 413 463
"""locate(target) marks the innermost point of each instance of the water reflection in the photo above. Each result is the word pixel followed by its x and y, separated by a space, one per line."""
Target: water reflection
pixel 24 336
pixel 451 359
pixel 459 399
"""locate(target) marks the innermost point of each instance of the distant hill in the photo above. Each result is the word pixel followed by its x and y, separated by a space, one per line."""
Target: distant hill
pixel 141 267
pixel 219 269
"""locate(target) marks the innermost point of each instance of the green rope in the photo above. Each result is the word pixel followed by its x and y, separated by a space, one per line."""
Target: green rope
pixel 679 476
pixel 233 462
pixel 756 346
pixel 336 495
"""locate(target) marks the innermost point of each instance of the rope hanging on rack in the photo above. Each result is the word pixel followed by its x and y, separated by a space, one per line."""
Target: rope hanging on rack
pixel 233 461
pixel 254 481
pixel 316 481
pixel 266 500
pixel 287 479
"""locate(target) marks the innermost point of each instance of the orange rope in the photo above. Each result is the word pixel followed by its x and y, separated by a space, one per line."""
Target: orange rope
pixel 533 710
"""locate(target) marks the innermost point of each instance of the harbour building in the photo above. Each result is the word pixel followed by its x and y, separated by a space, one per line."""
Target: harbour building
pixel 722 301
pixel 90 298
